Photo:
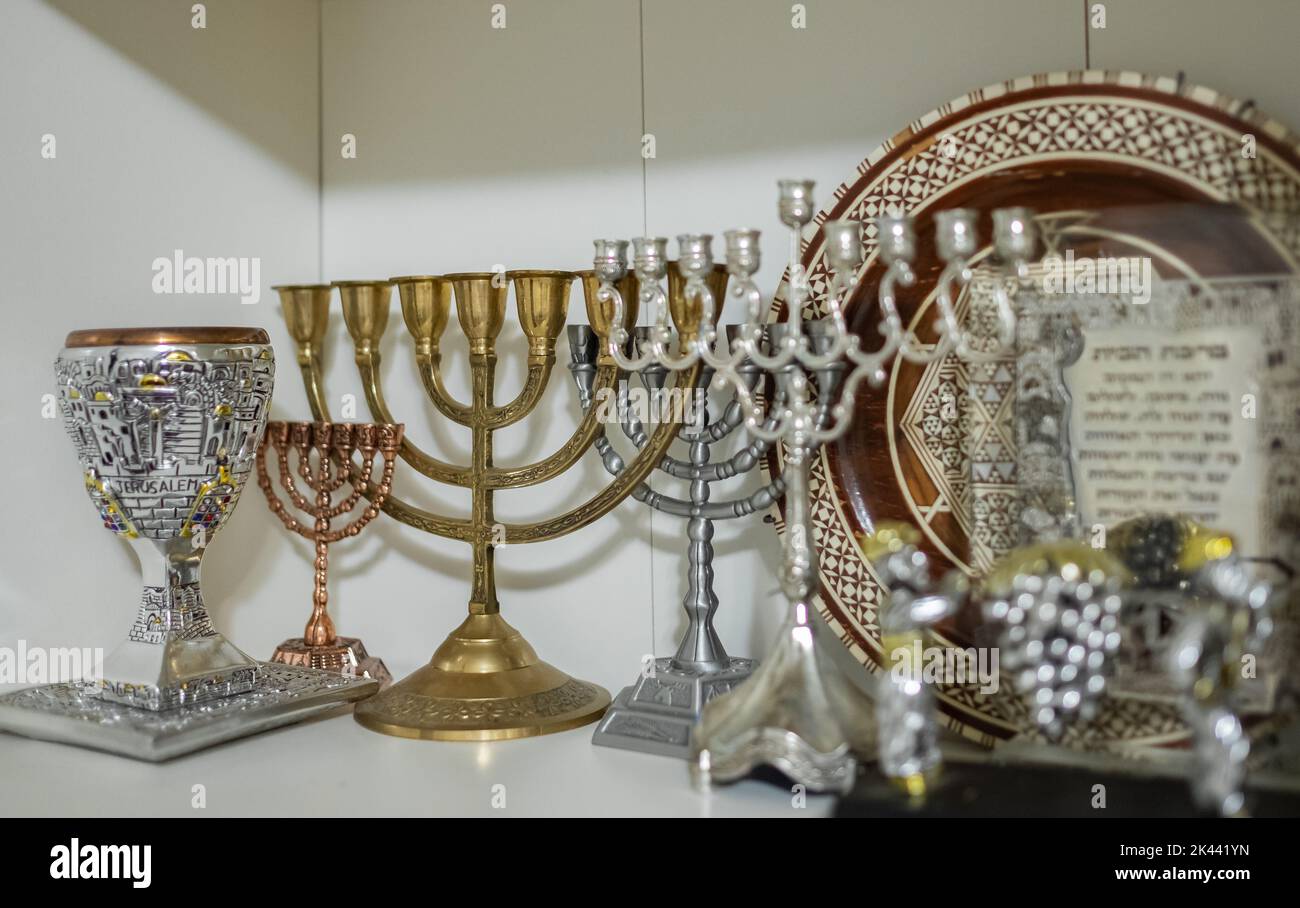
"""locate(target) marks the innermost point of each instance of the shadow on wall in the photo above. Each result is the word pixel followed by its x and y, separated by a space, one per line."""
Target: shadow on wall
pixel 439 91
pixel 434 92
pixel 209 67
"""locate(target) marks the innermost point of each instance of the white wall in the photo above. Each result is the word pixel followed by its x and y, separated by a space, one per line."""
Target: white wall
pixel 475 147
pixel 166 137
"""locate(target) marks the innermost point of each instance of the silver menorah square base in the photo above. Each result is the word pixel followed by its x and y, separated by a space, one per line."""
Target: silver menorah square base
pixel 73 714
pixel 656 714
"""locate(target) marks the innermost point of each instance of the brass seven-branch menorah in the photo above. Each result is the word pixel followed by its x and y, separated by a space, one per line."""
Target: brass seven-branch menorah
pixel 484 682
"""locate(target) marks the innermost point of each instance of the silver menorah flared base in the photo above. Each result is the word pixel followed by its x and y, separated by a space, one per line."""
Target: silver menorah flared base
pixel 657 714
pixel 798 713
pixel 72 713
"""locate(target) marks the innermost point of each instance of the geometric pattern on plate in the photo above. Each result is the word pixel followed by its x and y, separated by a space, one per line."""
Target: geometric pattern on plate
pixel 1135 125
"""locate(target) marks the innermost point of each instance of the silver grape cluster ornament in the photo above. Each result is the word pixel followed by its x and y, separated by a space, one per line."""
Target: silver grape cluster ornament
pixel 1057 610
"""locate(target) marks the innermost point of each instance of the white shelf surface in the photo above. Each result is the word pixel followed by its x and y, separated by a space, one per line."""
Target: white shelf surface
pixel 333 767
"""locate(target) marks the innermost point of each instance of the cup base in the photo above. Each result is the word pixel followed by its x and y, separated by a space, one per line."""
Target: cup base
pixel 176 670
pixel 73 714
pixel 192 691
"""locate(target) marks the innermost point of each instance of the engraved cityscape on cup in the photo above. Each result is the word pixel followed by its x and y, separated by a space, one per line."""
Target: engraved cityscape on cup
pixel 166 423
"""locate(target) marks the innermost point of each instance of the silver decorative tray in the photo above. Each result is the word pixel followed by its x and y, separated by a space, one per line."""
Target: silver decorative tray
pixel 71 714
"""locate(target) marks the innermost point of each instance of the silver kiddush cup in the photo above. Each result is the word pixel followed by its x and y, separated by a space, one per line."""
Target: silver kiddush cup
pixel 167 423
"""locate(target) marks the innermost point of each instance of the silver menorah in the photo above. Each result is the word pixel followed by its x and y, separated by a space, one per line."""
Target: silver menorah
pixel 656 714
pixel 799 711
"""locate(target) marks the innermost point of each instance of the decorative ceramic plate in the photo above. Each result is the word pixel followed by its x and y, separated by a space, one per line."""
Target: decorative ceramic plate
pixel 1141 151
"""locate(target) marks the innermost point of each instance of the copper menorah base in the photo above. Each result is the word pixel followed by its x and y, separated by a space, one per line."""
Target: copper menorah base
pixel 485 683
pixel 345 656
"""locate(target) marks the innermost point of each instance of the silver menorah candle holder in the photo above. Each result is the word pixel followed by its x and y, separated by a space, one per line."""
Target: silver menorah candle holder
pixel 657 713
pixel 799 711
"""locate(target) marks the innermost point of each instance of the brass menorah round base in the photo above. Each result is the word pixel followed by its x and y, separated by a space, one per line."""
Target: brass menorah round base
pixel 345 656
pixel 485 683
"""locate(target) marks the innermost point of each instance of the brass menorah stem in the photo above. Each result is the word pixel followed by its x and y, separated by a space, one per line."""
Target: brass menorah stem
pixel 483 592
pixel 485 681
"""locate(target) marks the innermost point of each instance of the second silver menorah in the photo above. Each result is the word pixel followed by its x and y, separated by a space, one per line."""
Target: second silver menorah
pixel 657 713
pixel 799 712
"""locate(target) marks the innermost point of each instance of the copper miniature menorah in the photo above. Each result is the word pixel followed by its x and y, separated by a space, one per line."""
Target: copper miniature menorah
pixel 333 445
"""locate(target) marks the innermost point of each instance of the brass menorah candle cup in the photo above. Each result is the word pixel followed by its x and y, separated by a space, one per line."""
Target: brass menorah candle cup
pixel 324 464
pixel 485 682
